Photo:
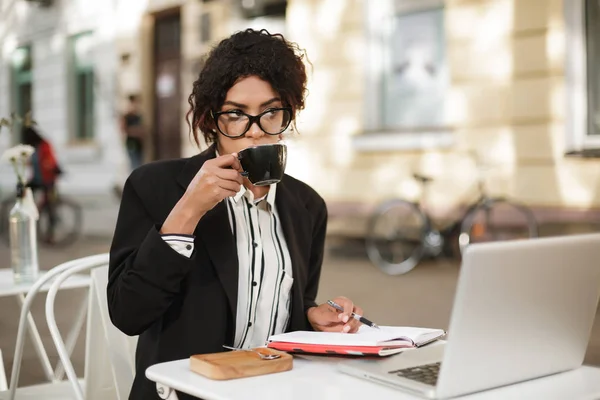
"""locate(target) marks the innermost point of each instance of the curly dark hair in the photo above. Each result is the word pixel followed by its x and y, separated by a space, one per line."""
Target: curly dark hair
pixel 247 53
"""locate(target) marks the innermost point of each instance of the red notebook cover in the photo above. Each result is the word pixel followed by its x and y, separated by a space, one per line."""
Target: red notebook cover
pixel 338 350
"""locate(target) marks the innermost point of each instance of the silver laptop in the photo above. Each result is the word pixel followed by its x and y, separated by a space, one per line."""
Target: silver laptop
pixel 523 310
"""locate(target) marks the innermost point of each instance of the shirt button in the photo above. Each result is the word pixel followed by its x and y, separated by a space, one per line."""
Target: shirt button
pixel 254 283
pixel 255 244
pixel 189 247
pixel 249 324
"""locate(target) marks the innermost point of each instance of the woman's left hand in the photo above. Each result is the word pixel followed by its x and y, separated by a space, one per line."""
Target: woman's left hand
pixel 328 319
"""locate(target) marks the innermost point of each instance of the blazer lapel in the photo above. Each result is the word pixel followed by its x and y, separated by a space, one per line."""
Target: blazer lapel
pixel 215 232
pixel 296 228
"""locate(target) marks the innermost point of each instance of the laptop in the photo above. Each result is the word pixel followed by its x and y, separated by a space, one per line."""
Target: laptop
pixel 523 310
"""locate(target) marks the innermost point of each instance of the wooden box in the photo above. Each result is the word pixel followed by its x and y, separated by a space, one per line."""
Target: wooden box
pixel 239 364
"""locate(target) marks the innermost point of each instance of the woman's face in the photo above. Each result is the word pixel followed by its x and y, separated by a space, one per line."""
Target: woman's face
pixel 252 96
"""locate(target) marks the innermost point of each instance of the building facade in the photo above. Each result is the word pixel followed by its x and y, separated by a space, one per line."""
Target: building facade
pixel 403 86
pixel 58 61
pixel 395 87
pixel 73 64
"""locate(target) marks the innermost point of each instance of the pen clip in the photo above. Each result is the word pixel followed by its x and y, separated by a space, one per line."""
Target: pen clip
pixel 334 305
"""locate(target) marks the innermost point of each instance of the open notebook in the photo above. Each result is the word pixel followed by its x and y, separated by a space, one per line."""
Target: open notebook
pixel 367 341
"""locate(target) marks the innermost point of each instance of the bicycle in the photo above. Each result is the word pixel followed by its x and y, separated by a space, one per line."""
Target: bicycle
pixel 68 220
pixel 400 233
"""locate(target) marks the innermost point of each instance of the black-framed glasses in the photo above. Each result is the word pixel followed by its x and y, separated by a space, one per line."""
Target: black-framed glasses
pixel 236 123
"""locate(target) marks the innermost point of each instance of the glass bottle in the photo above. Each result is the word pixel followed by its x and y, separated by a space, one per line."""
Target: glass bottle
pixel 23 240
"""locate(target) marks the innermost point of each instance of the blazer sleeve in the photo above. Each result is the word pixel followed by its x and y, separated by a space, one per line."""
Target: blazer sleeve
pixel 145 273
pixel 316 254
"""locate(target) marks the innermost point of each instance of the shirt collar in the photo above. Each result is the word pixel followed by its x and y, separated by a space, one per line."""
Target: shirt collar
pixel 270 197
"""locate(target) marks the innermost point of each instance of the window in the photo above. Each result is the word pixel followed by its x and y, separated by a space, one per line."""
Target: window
pixel 583 77
pixel 82 84
pixel 592 36
pixel 261 8
pixel 407 74
pixel 22 66
pixel 414 75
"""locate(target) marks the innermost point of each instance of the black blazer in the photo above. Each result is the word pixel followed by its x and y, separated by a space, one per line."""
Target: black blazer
pixel 182 306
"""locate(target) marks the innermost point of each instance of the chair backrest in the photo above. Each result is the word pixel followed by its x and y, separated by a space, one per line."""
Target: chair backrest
pixel 86 262
pixel 106 343
pixel 3 384
pixel 109 366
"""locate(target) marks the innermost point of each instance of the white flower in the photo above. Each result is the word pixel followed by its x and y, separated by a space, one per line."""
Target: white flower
pixel 20 152
pixel 18 157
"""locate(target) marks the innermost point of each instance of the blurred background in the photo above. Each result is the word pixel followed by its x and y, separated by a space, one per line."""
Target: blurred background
pixel 396 87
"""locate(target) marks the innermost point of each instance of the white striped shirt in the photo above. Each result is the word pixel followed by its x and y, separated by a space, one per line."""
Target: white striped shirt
pixel 265 268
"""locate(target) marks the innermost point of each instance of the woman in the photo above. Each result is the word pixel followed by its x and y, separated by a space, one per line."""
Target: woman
pixel 201 258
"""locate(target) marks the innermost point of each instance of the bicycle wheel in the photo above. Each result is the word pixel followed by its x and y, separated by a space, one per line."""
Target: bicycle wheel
pixel 67 224
pixel 395 235
pixel 497 219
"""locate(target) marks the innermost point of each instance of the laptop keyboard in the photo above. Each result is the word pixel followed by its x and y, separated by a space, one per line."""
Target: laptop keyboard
pixel 426 374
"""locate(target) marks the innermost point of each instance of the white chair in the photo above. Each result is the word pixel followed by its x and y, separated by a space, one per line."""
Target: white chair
pixel 109 361
pixel 121 348
pixel 109 358
pixel 57 388
pixel 3 384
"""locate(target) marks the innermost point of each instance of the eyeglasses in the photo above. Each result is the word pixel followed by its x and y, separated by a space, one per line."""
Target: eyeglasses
pixel 236 123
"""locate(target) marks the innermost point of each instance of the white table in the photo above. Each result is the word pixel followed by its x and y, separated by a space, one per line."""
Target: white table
pixel 310 379
pixel 9 288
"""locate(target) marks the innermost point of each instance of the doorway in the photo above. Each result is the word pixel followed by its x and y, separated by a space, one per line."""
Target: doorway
pixel 167 86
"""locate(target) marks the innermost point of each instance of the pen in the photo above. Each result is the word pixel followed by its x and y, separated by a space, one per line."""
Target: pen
pixel 354 315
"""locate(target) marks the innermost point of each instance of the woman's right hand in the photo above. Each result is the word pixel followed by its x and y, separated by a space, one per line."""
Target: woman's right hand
pixel 218 179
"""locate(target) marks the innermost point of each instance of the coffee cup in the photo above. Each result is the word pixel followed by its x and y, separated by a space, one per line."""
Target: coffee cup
pixel 263 164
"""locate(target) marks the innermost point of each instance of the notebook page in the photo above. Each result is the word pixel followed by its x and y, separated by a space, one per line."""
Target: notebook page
pixel 366 336
pixel 413 334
